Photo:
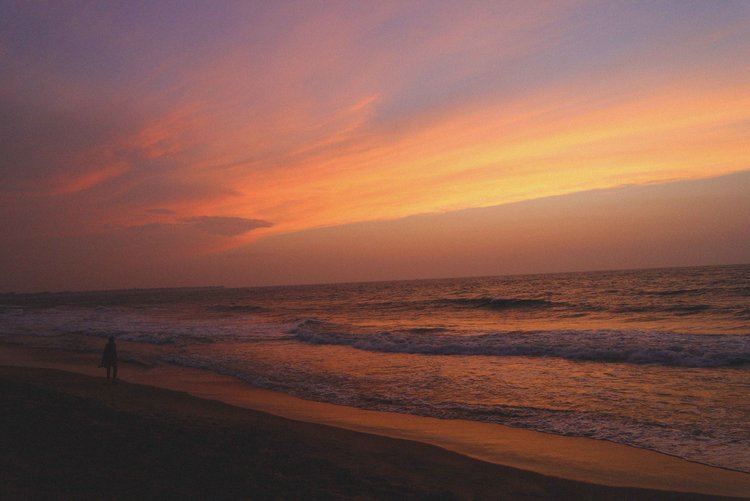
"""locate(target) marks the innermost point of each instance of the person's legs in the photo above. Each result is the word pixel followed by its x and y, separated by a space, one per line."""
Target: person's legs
pixel 114 372
pixel 109 368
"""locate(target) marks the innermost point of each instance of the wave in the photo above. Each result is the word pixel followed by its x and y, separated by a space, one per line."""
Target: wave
pixel 426 330
pixel 527 304
pixel 482 302
pixel 149 327
pixel 634 347
pixel 236 308
pixel 676 292
pixel 500 303
pixel 677 309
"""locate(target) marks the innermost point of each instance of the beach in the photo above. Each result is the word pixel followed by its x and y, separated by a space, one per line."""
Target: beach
pixel 70 434
pixel 649 359
pixel 394 250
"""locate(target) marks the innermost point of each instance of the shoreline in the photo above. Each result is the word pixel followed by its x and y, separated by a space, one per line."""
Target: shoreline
pixel 572 458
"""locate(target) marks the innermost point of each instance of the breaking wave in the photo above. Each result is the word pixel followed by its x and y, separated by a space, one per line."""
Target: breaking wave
pixel 634 347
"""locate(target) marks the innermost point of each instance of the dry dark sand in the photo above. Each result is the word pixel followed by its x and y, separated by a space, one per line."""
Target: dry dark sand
pixel 71 436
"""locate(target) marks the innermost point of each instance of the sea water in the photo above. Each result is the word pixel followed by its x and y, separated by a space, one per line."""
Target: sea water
pixel 658 359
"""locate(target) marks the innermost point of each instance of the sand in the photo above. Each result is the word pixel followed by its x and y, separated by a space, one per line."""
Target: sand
pixel 68 435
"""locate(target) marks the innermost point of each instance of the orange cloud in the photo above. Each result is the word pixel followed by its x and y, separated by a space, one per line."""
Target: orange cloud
pixel 546 144
pixel 169 134
pixel 73 184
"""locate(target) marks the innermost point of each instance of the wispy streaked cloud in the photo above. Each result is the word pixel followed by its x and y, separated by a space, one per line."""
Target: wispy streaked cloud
pixel 204 122
pixel 227 226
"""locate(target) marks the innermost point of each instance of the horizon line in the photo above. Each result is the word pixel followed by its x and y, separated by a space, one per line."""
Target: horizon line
pixel 350 282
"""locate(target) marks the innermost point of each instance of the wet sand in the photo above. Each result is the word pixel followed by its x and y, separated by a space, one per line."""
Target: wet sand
pixel 89 439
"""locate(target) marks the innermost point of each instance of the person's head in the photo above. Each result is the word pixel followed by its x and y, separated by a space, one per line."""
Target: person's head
pixel 111 339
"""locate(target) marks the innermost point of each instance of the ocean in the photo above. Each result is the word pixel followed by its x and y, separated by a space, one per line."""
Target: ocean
pixel 657 359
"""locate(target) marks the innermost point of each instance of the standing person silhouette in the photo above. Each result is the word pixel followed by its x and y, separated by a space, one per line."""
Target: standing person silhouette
pixel 109 358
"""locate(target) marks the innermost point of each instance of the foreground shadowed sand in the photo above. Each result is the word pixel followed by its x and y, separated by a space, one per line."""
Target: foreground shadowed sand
pixel 71 436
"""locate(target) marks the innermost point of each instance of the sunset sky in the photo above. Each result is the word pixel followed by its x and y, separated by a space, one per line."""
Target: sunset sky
pixel 174 143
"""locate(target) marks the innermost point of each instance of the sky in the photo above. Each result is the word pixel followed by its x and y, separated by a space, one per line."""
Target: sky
pixel 181 143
